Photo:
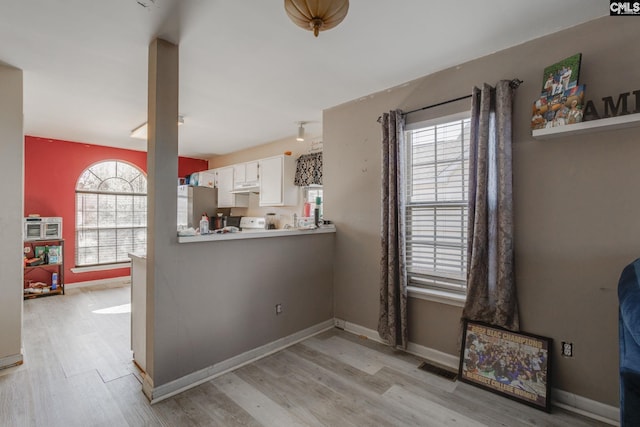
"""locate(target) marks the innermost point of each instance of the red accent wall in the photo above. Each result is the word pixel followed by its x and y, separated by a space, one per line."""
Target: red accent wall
pixel 52 168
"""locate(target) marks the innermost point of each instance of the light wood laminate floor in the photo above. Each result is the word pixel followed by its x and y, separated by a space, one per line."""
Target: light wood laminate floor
pixel 78 372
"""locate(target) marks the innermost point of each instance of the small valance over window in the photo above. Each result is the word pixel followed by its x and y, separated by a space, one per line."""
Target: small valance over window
pixel 309 170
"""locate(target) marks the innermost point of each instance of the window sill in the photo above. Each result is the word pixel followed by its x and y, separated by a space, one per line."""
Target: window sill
pixel 436 296
pixel 101 267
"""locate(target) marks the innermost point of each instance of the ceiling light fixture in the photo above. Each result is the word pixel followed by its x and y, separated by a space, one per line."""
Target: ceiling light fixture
pixel 316 15
pixel 300 137
pixel 141 131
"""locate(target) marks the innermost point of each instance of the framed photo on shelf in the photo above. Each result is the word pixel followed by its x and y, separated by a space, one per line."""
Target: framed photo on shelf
pixel 574 102
pixel 513 364
pixel 539 115
pixel 559 110
pixel 561 76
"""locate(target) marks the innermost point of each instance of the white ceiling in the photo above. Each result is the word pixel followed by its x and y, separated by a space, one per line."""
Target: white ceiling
pixel 247 74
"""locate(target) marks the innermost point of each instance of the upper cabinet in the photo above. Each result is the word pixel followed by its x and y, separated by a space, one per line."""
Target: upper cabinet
pixel 245 175
pixel 252 175
pixel 276 181
pixel 239 173
pixel 225 184
pixel 272 178
pixel 207 179
pixel 224 178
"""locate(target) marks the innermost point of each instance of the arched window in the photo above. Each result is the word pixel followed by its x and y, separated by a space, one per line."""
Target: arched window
pixel 111 213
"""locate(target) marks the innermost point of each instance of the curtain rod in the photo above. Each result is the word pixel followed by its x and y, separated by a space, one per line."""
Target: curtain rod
pixel 438 104
pixel 514 84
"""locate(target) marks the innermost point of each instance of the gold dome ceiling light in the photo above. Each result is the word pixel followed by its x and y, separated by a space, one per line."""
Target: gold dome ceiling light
pixel 316 15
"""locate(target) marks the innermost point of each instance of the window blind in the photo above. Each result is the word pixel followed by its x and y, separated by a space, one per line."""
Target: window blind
pixel 436 205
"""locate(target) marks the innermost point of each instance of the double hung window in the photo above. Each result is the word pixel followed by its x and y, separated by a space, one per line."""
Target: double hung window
pixel 436 204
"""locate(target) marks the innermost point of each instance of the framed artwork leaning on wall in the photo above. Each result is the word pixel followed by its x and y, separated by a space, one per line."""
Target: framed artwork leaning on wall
pixel 513 364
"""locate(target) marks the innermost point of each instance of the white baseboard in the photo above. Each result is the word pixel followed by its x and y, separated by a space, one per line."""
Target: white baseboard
pixel 587 407
pixel 11 361
pixel 122 280
pixel 360 330
pixel 436 356
pixel 164 391
pixel 560 398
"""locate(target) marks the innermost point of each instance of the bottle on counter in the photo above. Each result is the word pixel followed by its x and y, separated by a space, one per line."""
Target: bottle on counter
pixel 204 224
pixel 316 212
pixel 54 281
pixel 307 210
pixel 219 222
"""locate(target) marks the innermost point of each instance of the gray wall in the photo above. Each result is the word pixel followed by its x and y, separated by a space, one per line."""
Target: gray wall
pixel 223 303
pixel 11 212
pixel 576 204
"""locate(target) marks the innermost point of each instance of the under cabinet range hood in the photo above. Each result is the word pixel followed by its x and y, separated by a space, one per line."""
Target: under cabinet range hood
pixel 246 189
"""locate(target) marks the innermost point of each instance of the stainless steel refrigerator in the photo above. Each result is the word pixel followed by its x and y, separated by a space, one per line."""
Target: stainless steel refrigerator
pixel 193 202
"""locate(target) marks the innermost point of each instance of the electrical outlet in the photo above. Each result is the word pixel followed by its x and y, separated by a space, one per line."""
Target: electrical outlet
pixel 278 309
pixel 567 349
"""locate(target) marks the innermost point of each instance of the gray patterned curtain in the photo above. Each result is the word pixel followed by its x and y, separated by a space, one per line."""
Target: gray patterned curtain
pixel 491 290
pixel 308 170
pixel 392 323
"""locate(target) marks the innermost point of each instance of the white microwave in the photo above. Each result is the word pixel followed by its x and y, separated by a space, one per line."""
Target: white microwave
pixel 42 228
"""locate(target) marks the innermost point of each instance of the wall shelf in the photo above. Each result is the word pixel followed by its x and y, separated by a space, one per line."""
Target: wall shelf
pixel 611 123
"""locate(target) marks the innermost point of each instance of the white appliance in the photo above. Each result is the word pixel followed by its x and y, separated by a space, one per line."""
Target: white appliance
pixel 252 223
pixel 42 228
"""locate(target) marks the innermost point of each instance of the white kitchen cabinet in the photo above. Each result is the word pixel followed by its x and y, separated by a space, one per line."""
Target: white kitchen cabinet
pixel 225 185
pixel 207 179
pixel 245 175
pixel 239 174
pixel 251 176
pixel 276 181
pixel 224 181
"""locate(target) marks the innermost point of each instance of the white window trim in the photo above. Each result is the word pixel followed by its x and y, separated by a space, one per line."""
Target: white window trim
pixel 434 295
pixel 101 267
pixel 438 120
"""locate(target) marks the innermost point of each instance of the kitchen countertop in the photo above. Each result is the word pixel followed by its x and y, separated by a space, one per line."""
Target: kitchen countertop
pixel 256 234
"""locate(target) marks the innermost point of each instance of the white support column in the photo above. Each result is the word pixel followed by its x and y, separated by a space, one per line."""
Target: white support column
pixel 11 213
pixel 162 171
